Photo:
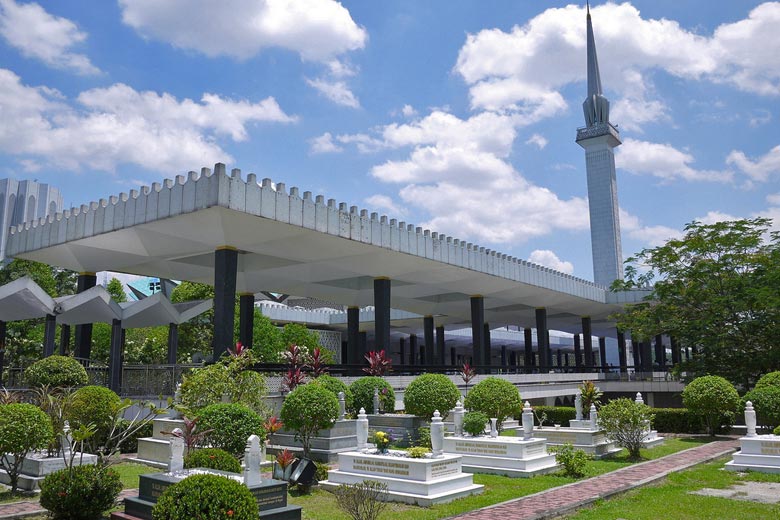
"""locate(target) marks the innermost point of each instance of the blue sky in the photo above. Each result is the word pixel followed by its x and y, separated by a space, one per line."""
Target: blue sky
pixel 456 116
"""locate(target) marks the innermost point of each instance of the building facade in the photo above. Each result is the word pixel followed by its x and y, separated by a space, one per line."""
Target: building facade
pixel 24 201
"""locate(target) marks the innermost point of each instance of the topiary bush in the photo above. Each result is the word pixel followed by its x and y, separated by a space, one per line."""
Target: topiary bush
pixel 709 397
pixel 766 402
pixel 496 398
pixel 56 372
pixel 206 497
pixel 626 422
pixel 307 410
pixel 213 458
pixel 96 406
pixel 336 385
pixel 428 393
pixel 230 425
pixel 80 493
pixel 769 379
pixel 363 394
pixel 23 428
pixel 474 423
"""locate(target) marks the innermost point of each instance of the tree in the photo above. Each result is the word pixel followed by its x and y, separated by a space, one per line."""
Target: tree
pixel 627 423
pixel 116 290
pixel 711 397
pixel 307 410
pixel 717 290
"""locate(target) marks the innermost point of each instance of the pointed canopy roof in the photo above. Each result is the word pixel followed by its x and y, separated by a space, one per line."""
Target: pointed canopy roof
pixel 24 299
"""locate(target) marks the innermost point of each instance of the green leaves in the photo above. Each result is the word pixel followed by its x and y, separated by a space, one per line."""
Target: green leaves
pixel 428 393
pixel 495 397
pixel 308 409
pixel 626 422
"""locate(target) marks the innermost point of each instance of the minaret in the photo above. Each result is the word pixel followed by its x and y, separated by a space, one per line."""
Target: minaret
pixel 598 138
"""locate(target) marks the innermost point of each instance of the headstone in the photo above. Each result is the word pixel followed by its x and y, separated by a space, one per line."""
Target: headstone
pixel 593 418
pixel 437 435
pixel 750 419
pixel 376 401
pixel 252 459
pixel 342 406
pixel 578 406
pixel 65 438
pixel 528 421
pixel 362 430
pixel 493 429
pixel 176 459
pixel 457 415
pixel 639 399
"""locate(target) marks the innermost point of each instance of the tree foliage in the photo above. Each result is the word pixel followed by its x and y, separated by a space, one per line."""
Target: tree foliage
pixel 116 290
pixel 717 290
pixel 307 410
pixel 496 398
pixel 627 423
pixel 710 397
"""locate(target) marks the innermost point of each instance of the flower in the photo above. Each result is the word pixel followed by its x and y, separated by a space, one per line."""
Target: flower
pixel 382 441
pixel 230 512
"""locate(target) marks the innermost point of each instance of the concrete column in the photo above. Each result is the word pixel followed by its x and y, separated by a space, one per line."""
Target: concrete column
pixel 3 334
pixel 503 357
pixel 83 347
pixel 647 356
pixel 486 351
pixel 382 313
pixel 603 354
pixel 621 339
pixel 528 339
pixel 246 319
pixel 559 358
pixel 402 346
pixel 566 360
pixel 453 357
pixel 660 352
pixel 115 357
pixel 353 336
pixel 49 331
pixel 676 354
pixel 477 329
pixel 587 337
pixel 363 349
pixel 577 352
pixel 513 359
pixel 414 351
pixel 440 346
pixel 429 341
pixel 64 339
pixel 543 346
pixel 173 343
pixel 225 273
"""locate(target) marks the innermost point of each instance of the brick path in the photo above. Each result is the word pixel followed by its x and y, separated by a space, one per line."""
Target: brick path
pixel 33 508
pixel 557 501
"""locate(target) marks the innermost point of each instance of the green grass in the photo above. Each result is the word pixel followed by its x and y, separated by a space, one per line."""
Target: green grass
pixel 130 471
pixel 321 505
pixel 671 499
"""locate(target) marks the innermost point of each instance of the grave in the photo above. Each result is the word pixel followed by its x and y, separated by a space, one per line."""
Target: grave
pixel 591 440
pixel 154 450
pixel 757 452
pixel 652 439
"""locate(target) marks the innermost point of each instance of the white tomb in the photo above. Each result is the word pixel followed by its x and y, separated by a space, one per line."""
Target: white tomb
pixel 757 452
pixel 591 440
pixel 652 439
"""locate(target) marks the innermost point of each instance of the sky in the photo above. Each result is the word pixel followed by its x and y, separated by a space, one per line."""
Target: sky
pixel 459 117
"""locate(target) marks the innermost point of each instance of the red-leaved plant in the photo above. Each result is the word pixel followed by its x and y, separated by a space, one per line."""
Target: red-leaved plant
pixel 273 425
pixel 317 366
pixel 467 373
pixel 295 362
pixel 190 433
pixel 285 458
pixel 240 349
pixel 378 363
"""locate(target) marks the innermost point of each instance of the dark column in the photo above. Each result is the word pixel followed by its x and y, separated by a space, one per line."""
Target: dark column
pixel 621 339
pixel 429 340
pixel 647 356
pixel 636 351
pixel 566 360
pixel 687 354
pixel 225 272
pixel 64 339
pixel 453 355
pixel 486 351
pixel 363 348
pixel 344 352
pixel 528 337
pixel 603 354
pixel 660 352
pixel 83 347
pixel 577 352
pixel 477 329
pixel 559 357
pixel 115 357
pixel 49 331
pixel 587 341
pixel 542 339
pixel 402 345
pixel 440 345
pixel 512 358
pixel 382 313
pixel 676 357
pixel 3 331
pixel 173 343
pixel 503 356
pixel 246 319
pixel 353 336
pixel 414 351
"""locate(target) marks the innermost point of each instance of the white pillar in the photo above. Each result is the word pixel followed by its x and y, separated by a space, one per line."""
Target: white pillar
pixel 528 421
pixel 176 458
pixel 342 406
pixel 594 425
pixel 457 416
pixel 639 399
pixel 578 406
pixel 750 419
pixel 362 430
pixel 493 429
pixel 437 435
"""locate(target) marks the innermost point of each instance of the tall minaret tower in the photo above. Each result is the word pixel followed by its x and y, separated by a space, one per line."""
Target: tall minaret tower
pixel 598 138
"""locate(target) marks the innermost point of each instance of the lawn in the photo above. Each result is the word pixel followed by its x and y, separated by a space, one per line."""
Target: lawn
pixel 671 500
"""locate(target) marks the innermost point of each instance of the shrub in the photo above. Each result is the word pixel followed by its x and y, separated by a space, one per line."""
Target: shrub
pixel 496 398
pixel 206 386
pixel 230 425
pixel 336 385
pixel 776 431
pixel 80 493
pixel 95 405
pixel 307 410
pixel 428 393
pixel 56 372
pixel 423 437
pixel 626 422
pixel 213 458
pixel 361 501
pixel 769 379
pixel 363 394
pixel 677 420
pixel 322 471
pixel 556 414
pixel 474 423
pixel 23 428
pixel 709 397
pixel 591 395
pixel 766 402
pixel 131 443
pixel 206 497
pixel 417 452
pixel 574 461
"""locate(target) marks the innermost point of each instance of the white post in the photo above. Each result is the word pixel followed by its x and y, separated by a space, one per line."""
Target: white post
pixel 437 435
pixel 362 430
pixel 639 399
pixel 376 401
pixel 65 438
pixel 176 458
pixel 457 416
pixel 528 421
pixel 252 461
pixel 750 419
pixel 594 425
pixel 342 406
pixel 578 405
pixel 493 429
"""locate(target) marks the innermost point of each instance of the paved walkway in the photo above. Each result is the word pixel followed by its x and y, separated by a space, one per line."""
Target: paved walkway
pixel 564 499
pixel 33 507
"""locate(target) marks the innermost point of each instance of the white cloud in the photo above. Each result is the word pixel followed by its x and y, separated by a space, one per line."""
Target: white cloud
pixel 318 30
pixel 648 235
pixel 549 259
pixel 538 140
pixel 759 118
pixel 759 170
pixel 43 36
pixel 408 111
pixel 109 126
pixel 324 144
pixel 773 199
pixel 336 91
pixel 383 202
pixel 663 161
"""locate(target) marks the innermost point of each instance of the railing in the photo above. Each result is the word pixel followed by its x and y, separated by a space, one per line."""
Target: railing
pixel 152 380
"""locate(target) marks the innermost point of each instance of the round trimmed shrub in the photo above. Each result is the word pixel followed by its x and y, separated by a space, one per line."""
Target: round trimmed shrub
pixel 495 397
pixel 23 428
pixel 766 402
pixel 770 379
pixel 212 458
pixel 336 385
pixel 307 410
pixel 95 405
pixel 80 493
pixel 363 394
pixel 56 372
pixel 206 497
pixel 474 423
pixel 231 426
pixel 710 397
pixel 428 393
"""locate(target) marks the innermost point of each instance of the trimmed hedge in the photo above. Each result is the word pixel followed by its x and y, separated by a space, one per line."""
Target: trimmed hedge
pixel 212 458
pixel 363 394
pixel 428 393
pixel 556 414
pixel 206 497
pixel 56 372
pixel 769 379
pixel 231 425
